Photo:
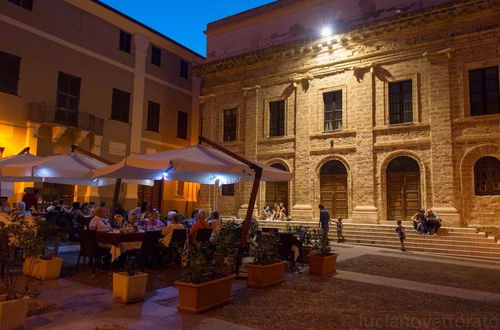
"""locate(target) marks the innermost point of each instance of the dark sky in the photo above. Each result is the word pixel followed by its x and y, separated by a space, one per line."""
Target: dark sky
pixel 183 20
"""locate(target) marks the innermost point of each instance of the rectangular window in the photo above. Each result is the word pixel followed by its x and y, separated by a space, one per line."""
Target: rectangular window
pixel 155 55
pixel 229 125
pixel 400 102
pixel 227 189
pixel 125 41
pixel 26 4
pixel 182 125
pixel 277 118
pixel 333 110
pixel 120 105
pixel 483 91
pixel 68 98
pixel 153 116
pixel 9 73
pixel 184 69
pixel 179 188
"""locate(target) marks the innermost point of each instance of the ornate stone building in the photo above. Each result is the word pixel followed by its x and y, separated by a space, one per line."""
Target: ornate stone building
pixel 388 114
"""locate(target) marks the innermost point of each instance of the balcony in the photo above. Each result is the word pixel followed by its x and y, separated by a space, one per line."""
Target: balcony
pixel 45 113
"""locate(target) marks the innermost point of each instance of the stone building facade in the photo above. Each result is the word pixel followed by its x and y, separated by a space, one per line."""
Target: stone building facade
pixel 375 121
pixel 80 72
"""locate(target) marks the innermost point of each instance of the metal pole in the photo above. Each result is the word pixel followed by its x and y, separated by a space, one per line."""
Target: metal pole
pixel 24 151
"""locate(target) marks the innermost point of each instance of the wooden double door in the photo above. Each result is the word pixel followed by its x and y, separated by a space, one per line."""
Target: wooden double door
pixel 151 194
pixel 333 189
pixel 403 195
pixel 277 192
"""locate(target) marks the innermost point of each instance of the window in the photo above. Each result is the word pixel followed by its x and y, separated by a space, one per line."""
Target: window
pixel 483 91
pixel 9 73
pixel 182 125
pixel 120 105
pixel 487 176
pixel 155 55
pixel 227 190
pixel 277 118
pixel 153 116
pixel 26 4
pixel 400 102
pixel 179 188
pixel 125 41
pixel 333 110
pixel 229 133
pixel 184 69
pixel 68 98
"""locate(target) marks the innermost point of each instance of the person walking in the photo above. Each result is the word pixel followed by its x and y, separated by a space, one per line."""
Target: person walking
pixel 324 218
pixel 340 227
pixel 402 235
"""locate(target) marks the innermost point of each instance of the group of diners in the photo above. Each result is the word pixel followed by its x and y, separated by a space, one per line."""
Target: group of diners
pixel 277 212
pixel 426 222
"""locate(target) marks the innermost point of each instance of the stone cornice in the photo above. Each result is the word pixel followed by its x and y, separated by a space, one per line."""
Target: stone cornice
pixel 396 25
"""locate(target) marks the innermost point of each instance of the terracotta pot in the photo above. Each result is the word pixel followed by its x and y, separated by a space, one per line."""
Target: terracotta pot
pixel 261 276
pixel 197 298
pixel 323 265
pixel 129 289
pixel 42 269
pixel 13 313
pixel 305 251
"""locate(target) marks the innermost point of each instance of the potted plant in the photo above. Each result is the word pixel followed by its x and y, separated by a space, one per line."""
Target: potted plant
pixel 44 266
pixel 129 286
pixel 14 290
pixel 267 269
pixel 227 247
pixel 203 285
pixel 322 261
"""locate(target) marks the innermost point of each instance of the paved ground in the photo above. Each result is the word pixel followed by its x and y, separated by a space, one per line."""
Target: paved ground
pixel 374 288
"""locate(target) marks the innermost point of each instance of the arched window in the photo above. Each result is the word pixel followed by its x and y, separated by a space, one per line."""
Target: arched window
pixel 487 176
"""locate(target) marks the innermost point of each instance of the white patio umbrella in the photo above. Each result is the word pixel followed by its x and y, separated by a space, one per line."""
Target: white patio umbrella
pixel 70 168
pixel 191 164
pixel 14 160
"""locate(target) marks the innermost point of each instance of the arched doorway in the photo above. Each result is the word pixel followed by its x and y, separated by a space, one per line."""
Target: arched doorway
pixel 403 188
pixel 333 188
pixel 277 192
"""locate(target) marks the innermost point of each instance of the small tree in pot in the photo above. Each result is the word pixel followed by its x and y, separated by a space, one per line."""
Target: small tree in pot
pixel 227 247
pixel 267 269
pixel 322 261
pixel 203 286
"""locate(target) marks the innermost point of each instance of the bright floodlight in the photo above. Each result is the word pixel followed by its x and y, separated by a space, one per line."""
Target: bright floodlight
pixel 326 31
pixel 165 175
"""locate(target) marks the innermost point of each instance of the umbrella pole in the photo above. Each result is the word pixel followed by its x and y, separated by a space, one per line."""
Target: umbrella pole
pixel 251 205
pixel 24 151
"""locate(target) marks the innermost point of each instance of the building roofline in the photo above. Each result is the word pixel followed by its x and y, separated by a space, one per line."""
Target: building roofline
pixel 108 7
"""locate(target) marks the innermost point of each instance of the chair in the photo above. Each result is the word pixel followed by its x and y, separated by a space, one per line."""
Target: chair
pixel 203 235
pixel 52 218
pixel 149 247
pixel 179 237
pixel 89 248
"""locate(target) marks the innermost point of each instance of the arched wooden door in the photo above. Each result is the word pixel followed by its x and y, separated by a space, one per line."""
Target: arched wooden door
pixel 277 192
pixel 333 188
pixel 403 188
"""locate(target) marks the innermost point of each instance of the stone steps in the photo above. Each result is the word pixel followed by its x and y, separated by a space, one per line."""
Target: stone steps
pixel 451 241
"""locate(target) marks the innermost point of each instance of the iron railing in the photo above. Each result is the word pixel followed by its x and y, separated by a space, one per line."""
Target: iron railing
pixel 46 113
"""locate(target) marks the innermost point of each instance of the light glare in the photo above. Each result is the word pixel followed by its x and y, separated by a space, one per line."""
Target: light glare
pixel 326 31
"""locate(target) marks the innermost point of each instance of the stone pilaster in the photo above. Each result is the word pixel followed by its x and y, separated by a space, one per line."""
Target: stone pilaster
pixel 303 176
pixel 364 209
pixel 141 53
pixel 206 105
pixel 31 140
pixel 444 200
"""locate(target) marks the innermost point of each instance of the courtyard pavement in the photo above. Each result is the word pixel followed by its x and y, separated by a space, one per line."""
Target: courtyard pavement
pixel 383 281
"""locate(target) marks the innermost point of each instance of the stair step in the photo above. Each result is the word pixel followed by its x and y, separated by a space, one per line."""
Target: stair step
pixel 430 239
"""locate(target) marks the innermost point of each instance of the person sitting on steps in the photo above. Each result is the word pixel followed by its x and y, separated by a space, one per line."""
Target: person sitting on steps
pixel 432 221
pixel 419 222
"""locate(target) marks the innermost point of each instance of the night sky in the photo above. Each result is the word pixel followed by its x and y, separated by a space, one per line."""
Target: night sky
pixel 183 20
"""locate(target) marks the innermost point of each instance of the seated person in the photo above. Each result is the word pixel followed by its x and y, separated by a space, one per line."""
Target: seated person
pixel 200 223
pixel 433 221
pixel 281 211
pixel 266 212
pixel 132 224
pixel 155 221
pixel 98 223
pixel 4 206
pixel 169 230
pixel 21 209
pixel 275 212
pixel 216 224
pixel 419 222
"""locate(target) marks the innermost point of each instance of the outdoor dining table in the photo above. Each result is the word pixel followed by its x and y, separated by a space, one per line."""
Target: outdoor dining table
pixel 120 242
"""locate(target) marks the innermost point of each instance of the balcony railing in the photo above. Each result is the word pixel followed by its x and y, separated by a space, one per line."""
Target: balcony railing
pixel 46 113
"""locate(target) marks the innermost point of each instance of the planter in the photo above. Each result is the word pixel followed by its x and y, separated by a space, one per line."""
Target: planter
pixel 305 251
pixel 129 289
pixel 13 313
pixel 323 265
pixel 42 269
pixel 261 276
pixel 197 298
